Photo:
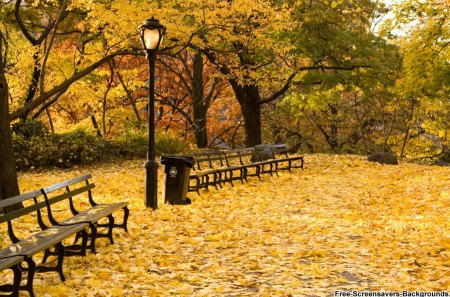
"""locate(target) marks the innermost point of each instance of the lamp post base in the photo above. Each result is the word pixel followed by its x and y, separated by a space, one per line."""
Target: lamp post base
pixel 151 184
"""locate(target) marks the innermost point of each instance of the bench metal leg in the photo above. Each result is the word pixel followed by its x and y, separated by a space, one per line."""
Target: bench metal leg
pixel 218 180
pixel 59 265
pixel 196 188
pixel 124 225
pixel 78 249
pixel 13 289
pixel 205 182
pixel 243 175
pixel 245 172
pixel 60 251
pixel 110 227
pixel 17 279
pixel 231 178
pixel 258 172
pixel 47 253
pixel 31 270
pixel 93 237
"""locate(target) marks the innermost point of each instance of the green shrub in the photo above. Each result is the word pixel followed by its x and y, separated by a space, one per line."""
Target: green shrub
pixel 61 150
pixel 169 143
pixel 29 128
pixel 78 147
pixel 132 143
pixel 32 151
pixel 33 148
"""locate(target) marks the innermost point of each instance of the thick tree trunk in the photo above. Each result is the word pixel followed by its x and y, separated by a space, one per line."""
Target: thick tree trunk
pixel 249 100
pixel 199 107
pixel 9 185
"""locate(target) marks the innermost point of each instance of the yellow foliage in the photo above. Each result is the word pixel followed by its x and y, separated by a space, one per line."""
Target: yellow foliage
pixel 342 223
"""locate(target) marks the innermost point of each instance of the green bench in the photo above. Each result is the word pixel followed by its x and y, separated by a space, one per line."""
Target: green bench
pixel 81 188
pixel 204 170
pixel 277 155
pixel 58 218
pixel 217 167
pixel 47 239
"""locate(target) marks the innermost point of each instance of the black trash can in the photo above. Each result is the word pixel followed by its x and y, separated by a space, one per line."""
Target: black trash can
pixel 176 178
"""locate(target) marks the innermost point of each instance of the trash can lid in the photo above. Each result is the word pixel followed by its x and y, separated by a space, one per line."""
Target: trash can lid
pixel 187 160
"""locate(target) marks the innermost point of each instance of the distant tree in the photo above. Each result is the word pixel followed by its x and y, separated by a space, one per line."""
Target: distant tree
pixel 188 87
pixel 422 30
pixel 263 47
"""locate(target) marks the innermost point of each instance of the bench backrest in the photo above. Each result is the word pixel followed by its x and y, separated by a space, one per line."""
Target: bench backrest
pixel 11 211
pixel 67 190
pixel 39 202
pixel 208 158
pixel 239 155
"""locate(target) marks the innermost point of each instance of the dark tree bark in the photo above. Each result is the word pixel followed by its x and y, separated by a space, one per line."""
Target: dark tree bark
pixel 9 185
pixel 249 99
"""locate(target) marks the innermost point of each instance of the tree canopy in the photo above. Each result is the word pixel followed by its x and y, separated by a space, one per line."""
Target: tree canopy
pixel 314 74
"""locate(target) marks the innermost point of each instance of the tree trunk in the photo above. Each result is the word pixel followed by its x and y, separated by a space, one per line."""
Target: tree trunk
pixel 199 107
pixel 249 100
pixel 34 83
pixel 408 127
pixel 9 185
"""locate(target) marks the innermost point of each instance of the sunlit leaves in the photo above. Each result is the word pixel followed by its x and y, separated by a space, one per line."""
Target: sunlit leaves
pixel 341 224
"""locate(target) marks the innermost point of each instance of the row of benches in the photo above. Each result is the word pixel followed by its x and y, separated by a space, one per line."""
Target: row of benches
pixel 213 168
pixel 79 219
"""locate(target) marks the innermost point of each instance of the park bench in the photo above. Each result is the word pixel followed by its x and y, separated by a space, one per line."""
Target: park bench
pixel 215 168
pixel 41 237
pixel 56 222
pixel 241 159
pixel 205 170
pixel 276 154
pixel 218 167
pixel 91 213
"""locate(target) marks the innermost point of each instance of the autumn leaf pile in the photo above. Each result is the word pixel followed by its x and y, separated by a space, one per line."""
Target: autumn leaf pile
pixel 341 224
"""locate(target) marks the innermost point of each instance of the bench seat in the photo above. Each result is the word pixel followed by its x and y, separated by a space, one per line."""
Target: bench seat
pixel 42 240
pixel 80 186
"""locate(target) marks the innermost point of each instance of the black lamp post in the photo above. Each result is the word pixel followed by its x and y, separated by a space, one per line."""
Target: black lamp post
pixel 152 33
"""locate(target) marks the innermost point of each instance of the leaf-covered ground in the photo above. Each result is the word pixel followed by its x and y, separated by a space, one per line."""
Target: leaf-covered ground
pixel 341 224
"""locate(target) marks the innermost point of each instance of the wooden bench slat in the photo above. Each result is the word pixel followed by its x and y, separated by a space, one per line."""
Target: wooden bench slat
pixel 8 262
pixel 95 213
pixel 41 241
pixel 22 211
pixel 67 183
pixel 19 198
pixel 66 195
